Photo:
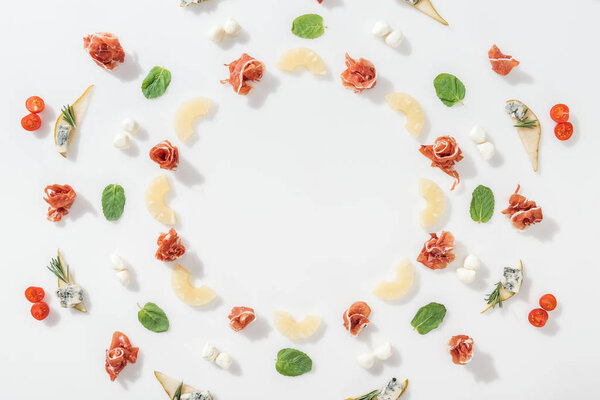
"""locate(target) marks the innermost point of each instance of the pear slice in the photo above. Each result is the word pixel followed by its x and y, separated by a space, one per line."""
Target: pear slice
pixel 190 295
pixel 79 107
pixel 81 306
pixel 302 57
pixel 399 287
pixel 530 137
pixel 392 392
pixel 171 384
pixel 296 330
pixel 415 118
pixel 505 294
pixel 187 114
pixel 427 8
pixel 155 200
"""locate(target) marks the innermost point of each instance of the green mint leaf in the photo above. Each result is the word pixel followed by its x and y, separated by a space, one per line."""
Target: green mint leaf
pixel 156 82
pixel 292 362
pixel 449 89
pixel 153 318
pixel 308 26
pixel 113 202
pixel 482 204
pixel 428 317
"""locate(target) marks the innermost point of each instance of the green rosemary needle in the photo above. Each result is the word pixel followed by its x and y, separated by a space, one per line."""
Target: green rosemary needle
pixel 57 269
pixel 494 297
pixel 69 115
pixel 526 124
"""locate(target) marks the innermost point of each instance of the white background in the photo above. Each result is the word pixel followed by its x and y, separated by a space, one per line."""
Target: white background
pixel 300 197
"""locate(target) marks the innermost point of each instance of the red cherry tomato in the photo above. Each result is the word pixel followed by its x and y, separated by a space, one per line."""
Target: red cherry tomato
pixel 538 317
pixel 35 104
pixel 40 310
pixel 548 302
pixel 34 294
pixel 31 122
pixel 559 113
pixel 564 130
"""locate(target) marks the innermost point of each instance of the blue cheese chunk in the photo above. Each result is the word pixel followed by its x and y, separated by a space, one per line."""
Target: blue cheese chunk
pixel 185 3
pixel 513 277
pixel 204 395
pixel 411 2
pixel 393 390
pixel 63 132
pixel 516 109
pixel 70 295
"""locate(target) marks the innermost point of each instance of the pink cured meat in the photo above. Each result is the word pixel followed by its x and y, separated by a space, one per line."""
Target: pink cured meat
pixel 105 49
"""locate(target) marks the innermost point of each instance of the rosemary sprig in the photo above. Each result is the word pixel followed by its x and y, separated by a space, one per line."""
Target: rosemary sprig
pixel 526 124
pixel 369 396
pixel 177 395
pixel 57 269
pixel 69 115
pixel 494 297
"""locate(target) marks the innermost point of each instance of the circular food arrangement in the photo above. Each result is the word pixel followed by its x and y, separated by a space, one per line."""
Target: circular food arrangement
pixel 497 282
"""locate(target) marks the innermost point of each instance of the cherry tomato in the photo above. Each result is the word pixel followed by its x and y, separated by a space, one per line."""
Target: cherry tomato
pixel 538 317
pixel 40 310
pixel 548 302
pixel 34 294
pixel 31 122
pixel 35 104
pixel 559 113
pixel 564 130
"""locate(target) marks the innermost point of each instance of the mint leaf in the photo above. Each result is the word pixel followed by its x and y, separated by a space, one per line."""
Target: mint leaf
pixel 113 202
pixel 428 317
pixel 308 26
pixel 156 82
pixel 449 89
pixel 292 362
pixel 153 318
pixel 482 204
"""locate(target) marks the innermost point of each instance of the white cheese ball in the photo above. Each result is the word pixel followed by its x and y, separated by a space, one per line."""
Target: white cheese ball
pixel 216 33
pixel 478 134
pixel 394 39
pixel 231 27
pixel 121 141
pixel 366 360
pixel 124 277
pixel 380 29
pixel 224 360
pixel 487 150
pixel 384 351
pixel 209 352
pixel 466 275
pixel 130 126
pixel 472 262
pixel 118 264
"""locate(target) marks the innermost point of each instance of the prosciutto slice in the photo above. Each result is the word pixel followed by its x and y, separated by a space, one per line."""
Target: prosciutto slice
pixel 460 348
pixel 359 75
pixel 119 354
pixel 502 64
pixel 444 153
pixel 169 246
pixel 522 212
pixel 165 155
pixel 438 252
pixel 240 317
pixel 105 49
pixel 60 198
pixel 356 317
pixel 244 69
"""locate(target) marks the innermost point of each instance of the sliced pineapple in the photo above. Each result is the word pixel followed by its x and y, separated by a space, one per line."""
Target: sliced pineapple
pixel 415 118
pixel 396 289
pixel 171 384
pixel 63 131
pixel 187 114
pixel 302 57
pixel 191 295
pixel 155 200
pixel 296 330
pixel 436 202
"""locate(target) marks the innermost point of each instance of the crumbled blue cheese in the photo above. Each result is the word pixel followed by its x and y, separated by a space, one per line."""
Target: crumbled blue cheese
pixel 513 277
pixel 204 395
pixel 185 3
pixel 392 390
pixel 411 2
pixel 516 109
pixel 70 295
pixel 63 131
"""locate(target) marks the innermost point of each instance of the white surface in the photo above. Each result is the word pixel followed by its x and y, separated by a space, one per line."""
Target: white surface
pixel 300 196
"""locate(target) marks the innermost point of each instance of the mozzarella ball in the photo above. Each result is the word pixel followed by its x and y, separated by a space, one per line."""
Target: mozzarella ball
pixel 472 262
pixel 216 33
pixel 366 360
pixel 478 134
pixel 231 27
pixel 121 141
pixel 394 39
pixel 124 277
pixel 209 352
pixel 224 360
pixel 466 275
pixel 130 126
pixel 384 351
pixel 487 150
pixel 380 29
pixel 118 264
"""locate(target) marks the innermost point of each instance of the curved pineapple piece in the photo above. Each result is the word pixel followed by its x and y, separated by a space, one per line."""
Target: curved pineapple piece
pixel 63 130
pixel 155 200
pixel 436 202
pixel 427 8
pixel 399 287
pixel 296 330
pixel 415 118
pixel 302 57
pixel 191 295
pixel 187 114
